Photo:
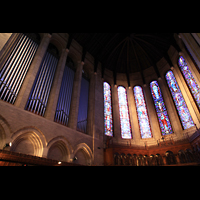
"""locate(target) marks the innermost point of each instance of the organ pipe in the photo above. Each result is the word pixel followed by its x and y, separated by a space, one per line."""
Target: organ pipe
pixel 64 99
pixel 17 75
pixel 16 67
pixel 83 105
pixel 41 89
pixel 22 76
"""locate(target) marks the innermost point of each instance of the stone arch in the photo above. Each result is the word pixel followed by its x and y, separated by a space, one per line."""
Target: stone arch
pixel 116 159
pixel 58 43
pixel 140 160
pixel 170 158
pixel 59 149
pixel 152 160
pixel 5 131
pixel 83 153
pixel 134 160
pixel 159 160
pixel 128 159
pixel 189 155
pixel 146 160
pixel 182 156
pixel 28 140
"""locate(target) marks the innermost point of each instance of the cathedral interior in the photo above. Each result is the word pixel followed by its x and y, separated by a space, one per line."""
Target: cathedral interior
pixel 99 99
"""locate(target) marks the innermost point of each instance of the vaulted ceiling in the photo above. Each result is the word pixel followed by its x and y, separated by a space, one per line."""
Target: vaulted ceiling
pixel 126 52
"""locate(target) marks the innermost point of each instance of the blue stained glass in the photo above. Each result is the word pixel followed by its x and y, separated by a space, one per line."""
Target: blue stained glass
pixel 181 106
pixel 194 88
pixel 124 114
pixel 108 123
pixel 163 118
pixel 143 118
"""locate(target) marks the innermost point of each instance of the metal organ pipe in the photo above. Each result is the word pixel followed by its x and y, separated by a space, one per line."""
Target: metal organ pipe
pixel 64 100
pixel 48 85
pixel 83 105
pixel 11 56
pixel 15 68
pixel 16 91
pixel 40 93
pixel 9 70
pixel 38 83
pixel 42 81
pixel 10 59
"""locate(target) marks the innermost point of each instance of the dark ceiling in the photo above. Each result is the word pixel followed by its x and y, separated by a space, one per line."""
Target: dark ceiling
pixel 126 52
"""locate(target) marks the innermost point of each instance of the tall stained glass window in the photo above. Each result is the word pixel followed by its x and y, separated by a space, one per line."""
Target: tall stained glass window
pixel 108 122
pixel 194 88
pixel 124 114
pixel 179 101
pixel 143 118
pixel 161 110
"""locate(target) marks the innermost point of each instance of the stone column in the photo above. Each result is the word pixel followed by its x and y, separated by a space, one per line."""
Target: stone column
pixel 164 159
pixel 177 158
pixel 73 114
pixel 116 117
pixel 53 97
pixel 98 106
pixel 32 72
pixel 97 126
pixel 133 116
pixel 90 117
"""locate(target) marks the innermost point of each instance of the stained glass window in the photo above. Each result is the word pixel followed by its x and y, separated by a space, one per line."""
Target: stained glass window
pixel 163 118
pixel 124 114
pixel 181 106
pixel 194 88
pixel 143 118
pixel 108 123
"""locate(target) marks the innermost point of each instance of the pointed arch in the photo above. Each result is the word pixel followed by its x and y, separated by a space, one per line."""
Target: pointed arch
pixel 29 140
pixel 87 152
pixel 62 145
